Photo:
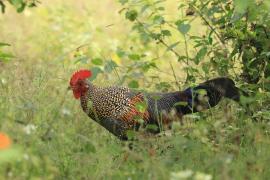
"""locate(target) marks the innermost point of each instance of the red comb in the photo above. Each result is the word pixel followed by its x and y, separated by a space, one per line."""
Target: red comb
pixel 80 75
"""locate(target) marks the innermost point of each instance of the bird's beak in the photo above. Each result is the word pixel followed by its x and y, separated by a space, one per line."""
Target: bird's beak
pixel 69 88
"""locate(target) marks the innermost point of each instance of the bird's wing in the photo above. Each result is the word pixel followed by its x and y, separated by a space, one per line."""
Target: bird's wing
pixel 137 108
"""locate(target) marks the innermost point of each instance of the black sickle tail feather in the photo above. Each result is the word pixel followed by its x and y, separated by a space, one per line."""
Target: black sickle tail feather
pixel 193 99
pixel 209 93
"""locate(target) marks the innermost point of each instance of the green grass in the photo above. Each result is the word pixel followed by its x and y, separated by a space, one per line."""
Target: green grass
pixel 54 139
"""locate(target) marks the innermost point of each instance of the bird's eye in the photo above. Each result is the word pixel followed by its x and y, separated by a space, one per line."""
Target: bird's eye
pixel 80 83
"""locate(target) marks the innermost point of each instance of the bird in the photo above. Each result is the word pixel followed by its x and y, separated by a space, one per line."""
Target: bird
pixel 121 110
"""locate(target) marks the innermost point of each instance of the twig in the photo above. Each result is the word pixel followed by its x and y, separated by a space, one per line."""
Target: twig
pixel 175 77
pixel 170 49
pixel 209 25
pixel 161 41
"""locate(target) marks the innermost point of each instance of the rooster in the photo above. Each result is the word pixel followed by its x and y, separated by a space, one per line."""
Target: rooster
pixel 120 109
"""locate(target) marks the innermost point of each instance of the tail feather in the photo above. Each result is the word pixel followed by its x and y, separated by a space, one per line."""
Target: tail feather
pixel 224 87
pixel 209 93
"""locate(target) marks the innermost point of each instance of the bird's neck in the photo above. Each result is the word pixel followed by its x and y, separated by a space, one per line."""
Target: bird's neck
pixel 91 87
pixel 87 96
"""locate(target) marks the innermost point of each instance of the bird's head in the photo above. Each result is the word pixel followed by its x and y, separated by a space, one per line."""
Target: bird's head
pixel 78 82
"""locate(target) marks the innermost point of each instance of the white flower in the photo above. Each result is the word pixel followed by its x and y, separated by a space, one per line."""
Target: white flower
pixel 4 81
pixel 181 175
pixel 202 176
pixel 26 156
pixel 28 129
pixel 228 159
pixel 187 174
pixel 10 174
pixel 66 112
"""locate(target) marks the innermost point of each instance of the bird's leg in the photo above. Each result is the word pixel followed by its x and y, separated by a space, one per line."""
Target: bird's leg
pixel 166 121
pixel 180 116
pixel 168 118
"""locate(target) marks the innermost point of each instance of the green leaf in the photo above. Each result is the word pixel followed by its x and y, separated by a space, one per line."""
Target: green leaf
pixel 130 134
pixel 166 33
pixel 183 28
pixel 141 106
pixel 110 66
pixel 152 127
pixel 19 4
pixel 134 57
pixel 181 103
pixel 172 46
pixel 5 57
pixel 123 1
pixel 158 19
pixel 81 59
pixel 16 2
pixel 161 8
pixel 97 61
pixel 159 1
pixel 200 55
pixel 120 52
pixel 206 67
pixel 21 8
pixel 145 38
pixel 133 84
pixel 181 58
pixel 156 97
pixel 131 15
pixel 201 91
pixel 3 7
pixel 210 39
pixel 144 8
pixel 181 6
pixel 147 66
pixel 32 4
pixel 156 36
pixel 95 72
pixel 4 44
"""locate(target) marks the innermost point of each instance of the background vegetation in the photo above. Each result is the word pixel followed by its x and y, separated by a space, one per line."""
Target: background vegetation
pixel 153 45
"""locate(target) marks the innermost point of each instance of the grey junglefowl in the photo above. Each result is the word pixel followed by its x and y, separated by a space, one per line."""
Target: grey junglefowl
pixel 120 109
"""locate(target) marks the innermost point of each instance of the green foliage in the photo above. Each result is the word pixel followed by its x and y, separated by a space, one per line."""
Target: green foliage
pixel 9 155
pixel 231 40
pixel 182 27
pixel 236 32
pixel 20 5
pixel 131 15
pixel 4 56
pixel 133 84
pixel 243 24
